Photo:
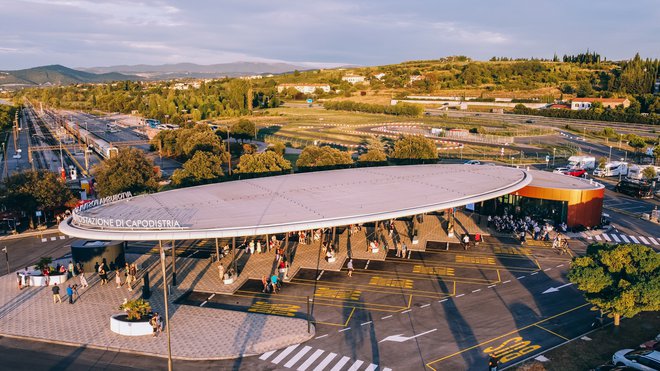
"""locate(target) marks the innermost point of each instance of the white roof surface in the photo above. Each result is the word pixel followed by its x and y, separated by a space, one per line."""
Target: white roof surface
pixel 302 201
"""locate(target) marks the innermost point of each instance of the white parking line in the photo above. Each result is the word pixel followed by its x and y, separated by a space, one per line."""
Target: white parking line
pixel 425 305
pixel 320 274
pixel 477 290
pixel 53 238
pixel 634 239
pixel 211 297
pixel 367 265
pixel 458 296
pixel 386 317
pixel 625 239
pixel 521 277
pixel 491 286
pixel 406 311
pixel 644 240
pixel 560 265
pixel 365 323
pixel 321 337
pixel 534 273
pixel 507 281
pixel 442 301
pixel 654 241
pixel 344 329
pixel 203 303
pixel 547 269
pixel 62 237
pixel 606 237
pixel 44 239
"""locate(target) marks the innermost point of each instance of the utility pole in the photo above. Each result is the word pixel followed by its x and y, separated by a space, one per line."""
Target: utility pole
pixel 167 311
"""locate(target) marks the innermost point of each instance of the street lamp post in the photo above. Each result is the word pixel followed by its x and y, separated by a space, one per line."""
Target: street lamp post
pixel 512 161
pixel 228 148
pixel 609 158
pixel 167 311
pixel 554 152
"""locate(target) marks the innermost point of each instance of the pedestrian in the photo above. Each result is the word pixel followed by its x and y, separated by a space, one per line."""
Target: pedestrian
pixel 523 237
pixel 493 362
pixel 97 267
pixel 81 275
pixel 46 273
pixel 264 281
pixel 258 247
pixel 161 324
pixel 466 241
pixel 350 267
pixel 26 277
pixel 20 281
pixel 56 294
pixel 118 278
pixel 404 249
pixel 154 324
pixel 398 250
pixel 72 269
pixel 69 293
pixel 221 271
pixel 275 282
pixel 477 239
pixel 103 275
pixel 75 291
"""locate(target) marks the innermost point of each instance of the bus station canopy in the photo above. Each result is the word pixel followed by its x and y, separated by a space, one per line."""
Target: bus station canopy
pixel 294 202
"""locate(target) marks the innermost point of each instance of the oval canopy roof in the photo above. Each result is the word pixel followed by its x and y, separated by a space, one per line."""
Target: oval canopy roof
pixel 294 202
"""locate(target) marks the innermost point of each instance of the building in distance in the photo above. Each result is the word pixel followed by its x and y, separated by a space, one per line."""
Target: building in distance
pixel 353 79
pixel 304 88
pixel 586 103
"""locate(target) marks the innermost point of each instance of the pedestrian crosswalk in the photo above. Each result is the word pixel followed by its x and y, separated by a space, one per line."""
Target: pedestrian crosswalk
pixel 622 238
pixel 307 358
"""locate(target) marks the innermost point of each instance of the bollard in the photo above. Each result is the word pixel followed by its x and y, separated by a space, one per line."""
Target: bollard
pixel 309 329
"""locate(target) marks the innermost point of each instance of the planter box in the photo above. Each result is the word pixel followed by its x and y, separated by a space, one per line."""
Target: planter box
pixel 375 250
pixel 332 260
pixel 228 281
pixel 119 324
pixel 53 280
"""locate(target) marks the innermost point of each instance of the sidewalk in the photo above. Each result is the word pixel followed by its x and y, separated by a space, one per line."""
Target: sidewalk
pixel 197 333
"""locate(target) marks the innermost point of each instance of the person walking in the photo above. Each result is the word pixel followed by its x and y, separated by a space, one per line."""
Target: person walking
pixel 477 239
pixel 118 278
pixel 350 267
pixel 221 271
pixel 103 275
pixel 466 241
pixel 154 324
pixel 26 277
pixel 69 293
pixel 75 291
pixel 493 362
pixel 81 276
pixel 72 270
pixel 56 295
pixel 20 280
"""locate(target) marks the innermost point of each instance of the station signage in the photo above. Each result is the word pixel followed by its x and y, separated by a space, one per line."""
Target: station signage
pixel 118 222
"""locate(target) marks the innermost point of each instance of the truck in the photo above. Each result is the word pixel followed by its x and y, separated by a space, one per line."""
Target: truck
pixel 615 168
pixel 582 162
pixel 635 172
pixel 635 188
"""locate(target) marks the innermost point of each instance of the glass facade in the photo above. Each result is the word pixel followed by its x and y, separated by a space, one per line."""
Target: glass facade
pixel 521 206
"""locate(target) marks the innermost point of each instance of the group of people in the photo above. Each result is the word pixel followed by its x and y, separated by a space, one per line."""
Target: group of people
pixel 522 227
pixel 71 290
pixel 156 323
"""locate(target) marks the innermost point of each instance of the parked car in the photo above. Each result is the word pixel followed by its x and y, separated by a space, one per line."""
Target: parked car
pixel 643 359
pixel 530 121
pixel 576 172
pixel 473 162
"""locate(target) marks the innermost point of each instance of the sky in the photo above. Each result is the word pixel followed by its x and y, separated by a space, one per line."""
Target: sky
pixel 90 33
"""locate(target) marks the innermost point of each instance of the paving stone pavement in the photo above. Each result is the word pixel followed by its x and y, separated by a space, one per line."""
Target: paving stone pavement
pixel 197 332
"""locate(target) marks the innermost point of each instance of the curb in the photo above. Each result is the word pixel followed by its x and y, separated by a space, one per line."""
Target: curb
pixel 29 234
pixel 129 351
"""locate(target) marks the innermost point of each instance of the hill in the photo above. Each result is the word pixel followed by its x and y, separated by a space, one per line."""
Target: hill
pixel 166 71
pixel 57 75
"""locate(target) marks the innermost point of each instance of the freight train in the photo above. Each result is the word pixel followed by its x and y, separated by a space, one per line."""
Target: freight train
pixel 98 145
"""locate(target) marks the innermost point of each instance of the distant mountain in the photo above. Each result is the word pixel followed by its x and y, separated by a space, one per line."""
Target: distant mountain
pixel 197 70
pixel 57 75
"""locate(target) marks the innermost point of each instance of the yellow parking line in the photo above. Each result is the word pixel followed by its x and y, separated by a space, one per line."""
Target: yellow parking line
pixel 552 332
pixel 501 336
pixel 338 324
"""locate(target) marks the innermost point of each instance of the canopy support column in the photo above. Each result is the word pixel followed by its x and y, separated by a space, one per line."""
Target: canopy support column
pixel 167 310
pixel 217 250
pixel 173 263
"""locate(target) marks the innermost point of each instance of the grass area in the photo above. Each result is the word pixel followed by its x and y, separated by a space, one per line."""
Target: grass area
pixel 582 355
pixel 292 157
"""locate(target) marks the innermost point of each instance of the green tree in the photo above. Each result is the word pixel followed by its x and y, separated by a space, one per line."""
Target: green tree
pixel 636 142
pixel 649 172
pixel 413 147
pixel 203 167
pixel 315 156
pixel 131 170
pixel 622 280
pixel 373 155
pixel 265 162
pixel 584 89
pixel 29 191
pixel 243 129
pixel 277 147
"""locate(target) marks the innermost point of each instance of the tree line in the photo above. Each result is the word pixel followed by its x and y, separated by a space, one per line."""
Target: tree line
pixel 400 109
pixel 596 112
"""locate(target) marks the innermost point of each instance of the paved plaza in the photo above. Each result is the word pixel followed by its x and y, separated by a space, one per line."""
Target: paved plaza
pixel 197 332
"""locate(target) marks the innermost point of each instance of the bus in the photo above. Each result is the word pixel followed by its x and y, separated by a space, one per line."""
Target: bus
pixel 634 188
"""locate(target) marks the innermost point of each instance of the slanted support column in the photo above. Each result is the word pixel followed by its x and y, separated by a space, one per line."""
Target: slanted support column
pixel 217 250
pixel 173 263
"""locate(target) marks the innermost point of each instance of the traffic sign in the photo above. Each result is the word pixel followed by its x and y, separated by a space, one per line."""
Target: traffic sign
pixel 310 100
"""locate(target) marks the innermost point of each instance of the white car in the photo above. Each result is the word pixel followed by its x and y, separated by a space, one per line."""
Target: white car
pixel 473 162
pixel 644 359
pixel 560 170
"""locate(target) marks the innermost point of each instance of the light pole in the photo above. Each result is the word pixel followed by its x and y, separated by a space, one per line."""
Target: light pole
pixel 554 151
pixel 167 311
pixel 512 161
pixel 228 149
pixel 609 158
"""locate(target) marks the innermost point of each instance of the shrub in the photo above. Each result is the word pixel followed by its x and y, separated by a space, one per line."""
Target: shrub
pixel 136 309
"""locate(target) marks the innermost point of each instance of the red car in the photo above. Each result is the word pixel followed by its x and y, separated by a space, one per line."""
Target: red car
pixel 575 172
